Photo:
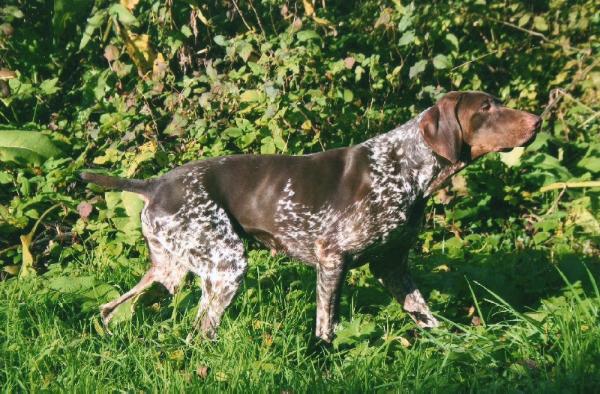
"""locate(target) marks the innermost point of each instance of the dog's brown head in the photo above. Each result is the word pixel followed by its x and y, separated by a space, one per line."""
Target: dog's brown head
pixel 463 126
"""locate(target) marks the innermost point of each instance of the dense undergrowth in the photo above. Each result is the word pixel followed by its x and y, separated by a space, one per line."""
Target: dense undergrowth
pixel 508 257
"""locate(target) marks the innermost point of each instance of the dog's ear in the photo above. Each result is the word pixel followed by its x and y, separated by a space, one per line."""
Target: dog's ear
pixel 441 130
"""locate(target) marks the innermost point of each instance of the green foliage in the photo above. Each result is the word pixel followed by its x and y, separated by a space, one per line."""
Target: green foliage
pixel 138 88
pixel 22 146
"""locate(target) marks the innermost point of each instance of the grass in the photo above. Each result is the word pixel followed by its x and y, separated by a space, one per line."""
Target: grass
pixel 543 338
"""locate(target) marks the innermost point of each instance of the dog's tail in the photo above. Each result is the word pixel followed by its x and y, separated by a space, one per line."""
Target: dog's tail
pixel 143 187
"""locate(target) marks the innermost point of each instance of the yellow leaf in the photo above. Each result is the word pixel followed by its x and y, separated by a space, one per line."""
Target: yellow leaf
pixel 111 155
pixel 513 157
pixel 250 95
pixel 471 311
pixel 404 342
pixel 309 8
pixel 159 67
pixel 99 329
pixel 307 125
pixel 177 355
pixel 12 269
pixel 321 21
pixel 27 265
pixel 139 50
pixel 581 217
pixel 221 376
pixel 129 4
pixel 146 152
pixel 201 16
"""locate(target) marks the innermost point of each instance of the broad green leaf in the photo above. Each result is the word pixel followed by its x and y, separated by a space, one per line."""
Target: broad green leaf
pixel 244 50
pixel 23 146
pixel 5 177
pixel 348 95
pixel 407 38
pixel 221 41
pixel 591 160
pixel 353 332
pixel 92 24
pixel 267 146
pixel 540 23
pixel 305 35
pixel 12 11
pixel 417 68
pixel 49 86
pixel 177 126
pixel 441 62
pixel 67 13
pixel 590 163
pixel 112 199
pixel 232 132
pixel 71 284
pixel 404 23
pixel 99 294
pixel 247 139
pixel 524 19
pixel 540 237
pixel 123 15
pixel 133 205
pixel 453 40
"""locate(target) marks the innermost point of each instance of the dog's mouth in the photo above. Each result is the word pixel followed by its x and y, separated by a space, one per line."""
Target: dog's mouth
pixel 525 144
pixel 531 138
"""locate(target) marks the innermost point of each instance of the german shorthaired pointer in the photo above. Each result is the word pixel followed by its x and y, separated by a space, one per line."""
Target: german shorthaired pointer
pixel 333 210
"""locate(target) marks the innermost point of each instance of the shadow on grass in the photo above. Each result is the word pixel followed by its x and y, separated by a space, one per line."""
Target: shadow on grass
pixel 523 278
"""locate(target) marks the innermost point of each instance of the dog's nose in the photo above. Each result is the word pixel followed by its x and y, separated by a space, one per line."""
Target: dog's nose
pixel 537 122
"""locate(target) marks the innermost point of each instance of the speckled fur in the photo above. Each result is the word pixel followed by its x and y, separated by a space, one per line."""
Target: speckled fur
pixel 201 238
pixel 401 168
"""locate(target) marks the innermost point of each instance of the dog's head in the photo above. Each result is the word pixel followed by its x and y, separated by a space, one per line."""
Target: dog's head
pixel 463 126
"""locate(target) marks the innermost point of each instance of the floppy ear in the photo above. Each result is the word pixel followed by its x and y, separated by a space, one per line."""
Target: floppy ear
pixel 441 130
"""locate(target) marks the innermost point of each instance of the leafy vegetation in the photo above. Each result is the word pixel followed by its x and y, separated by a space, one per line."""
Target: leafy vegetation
pixel 508 257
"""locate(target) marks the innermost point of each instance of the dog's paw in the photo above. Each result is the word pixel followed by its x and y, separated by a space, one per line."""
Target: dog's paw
pixel 427 322
pixel 106 316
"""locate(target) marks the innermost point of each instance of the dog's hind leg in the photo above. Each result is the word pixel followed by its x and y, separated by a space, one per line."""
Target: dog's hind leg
pixel 165 270
pixel 107 310
pixel 222 269
pixel 217 294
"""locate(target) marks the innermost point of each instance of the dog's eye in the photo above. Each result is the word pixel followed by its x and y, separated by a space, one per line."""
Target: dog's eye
pixel 486 106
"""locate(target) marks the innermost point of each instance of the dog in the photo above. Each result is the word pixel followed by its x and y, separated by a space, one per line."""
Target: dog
pixel 334 210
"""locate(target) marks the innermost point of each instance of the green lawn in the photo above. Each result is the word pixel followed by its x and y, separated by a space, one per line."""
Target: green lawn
pixel 509 256
pixel 546 340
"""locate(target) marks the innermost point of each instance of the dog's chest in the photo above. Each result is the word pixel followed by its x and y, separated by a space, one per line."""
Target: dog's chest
pixel 378 219
pixel 400 169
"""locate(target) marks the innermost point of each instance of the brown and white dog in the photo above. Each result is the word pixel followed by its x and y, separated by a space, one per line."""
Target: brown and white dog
pixel 333 210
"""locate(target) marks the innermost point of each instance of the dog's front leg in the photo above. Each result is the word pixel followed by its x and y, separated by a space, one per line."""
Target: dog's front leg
pixel 330 276
pixel 394 276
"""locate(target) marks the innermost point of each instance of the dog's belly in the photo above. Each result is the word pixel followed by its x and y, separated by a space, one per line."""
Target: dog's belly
pixel 361 232
pixel 311 235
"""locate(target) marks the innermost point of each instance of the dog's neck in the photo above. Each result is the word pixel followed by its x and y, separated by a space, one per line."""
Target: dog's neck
pixel 403 154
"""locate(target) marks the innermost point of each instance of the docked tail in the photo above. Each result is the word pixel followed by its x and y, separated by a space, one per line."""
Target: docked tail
pixel 112 182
